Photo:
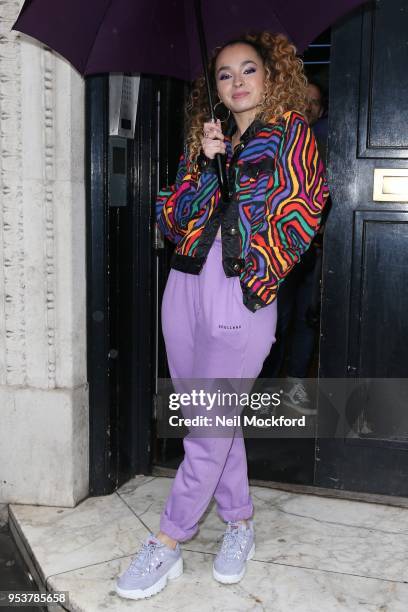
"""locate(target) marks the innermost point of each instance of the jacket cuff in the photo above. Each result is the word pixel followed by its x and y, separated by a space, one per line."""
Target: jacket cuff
pixel 251 300
pixel 205 164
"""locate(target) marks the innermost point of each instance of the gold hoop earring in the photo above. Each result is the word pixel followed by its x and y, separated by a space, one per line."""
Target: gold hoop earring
pixel 217 117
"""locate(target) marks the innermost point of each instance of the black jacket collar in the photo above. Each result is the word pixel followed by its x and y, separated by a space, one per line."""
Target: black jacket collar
pixel 249 133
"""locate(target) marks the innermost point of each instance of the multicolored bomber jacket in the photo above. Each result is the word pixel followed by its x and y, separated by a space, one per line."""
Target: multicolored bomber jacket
pixel 278 186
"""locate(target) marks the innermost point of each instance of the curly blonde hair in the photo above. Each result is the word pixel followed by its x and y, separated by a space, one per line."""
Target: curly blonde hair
pixel 285 86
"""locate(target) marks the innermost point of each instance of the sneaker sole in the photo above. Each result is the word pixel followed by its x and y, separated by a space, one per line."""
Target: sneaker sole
pixel 174 572
pixel 233 578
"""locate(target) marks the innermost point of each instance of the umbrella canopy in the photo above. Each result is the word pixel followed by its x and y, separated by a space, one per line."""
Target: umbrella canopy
pixel 167 37
pixel 160 36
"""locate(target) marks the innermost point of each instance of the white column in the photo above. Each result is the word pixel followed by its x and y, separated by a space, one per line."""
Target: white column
pixel 43 390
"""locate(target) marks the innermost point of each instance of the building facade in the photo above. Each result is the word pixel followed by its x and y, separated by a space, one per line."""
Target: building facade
pixel 43 386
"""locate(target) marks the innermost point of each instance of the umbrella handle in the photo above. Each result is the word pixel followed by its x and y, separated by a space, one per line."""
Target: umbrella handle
pixel 219 159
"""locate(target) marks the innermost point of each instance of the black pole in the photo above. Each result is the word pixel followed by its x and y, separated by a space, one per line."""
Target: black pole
pixel 219 159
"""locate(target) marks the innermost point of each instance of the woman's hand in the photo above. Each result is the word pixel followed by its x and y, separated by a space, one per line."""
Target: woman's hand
pixel 212 141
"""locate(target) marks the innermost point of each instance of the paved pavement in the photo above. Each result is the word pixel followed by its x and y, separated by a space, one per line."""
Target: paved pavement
pixel 313 553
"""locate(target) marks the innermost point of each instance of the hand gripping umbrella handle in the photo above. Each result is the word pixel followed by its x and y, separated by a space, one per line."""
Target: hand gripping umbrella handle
pixel 219 159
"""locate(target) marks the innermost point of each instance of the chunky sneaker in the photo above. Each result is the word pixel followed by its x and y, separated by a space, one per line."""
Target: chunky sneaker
pixel 237 547
pixel 149 570
pixel 297 397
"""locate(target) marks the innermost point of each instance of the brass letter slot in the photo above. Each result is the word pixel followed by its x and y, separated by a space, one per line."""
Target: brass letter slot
pixel 390 185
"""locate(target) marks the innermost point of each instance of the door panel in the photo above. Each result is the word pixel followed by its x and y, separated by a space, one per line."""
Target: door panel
pixel 378 273
pixel 383 96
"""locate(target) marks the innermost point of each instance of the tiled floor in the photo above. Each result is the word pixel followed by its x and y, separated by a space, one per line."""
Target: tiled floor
pixel 313 554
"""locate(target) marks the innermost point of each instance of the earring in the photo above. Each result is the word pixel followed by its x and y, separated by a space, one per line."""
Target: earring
pixel 217 117
pixel 263 101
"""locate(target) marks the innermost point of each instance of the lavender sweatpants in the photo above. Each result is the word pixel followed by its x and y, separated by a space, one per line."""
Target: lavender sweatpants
pixel 210 334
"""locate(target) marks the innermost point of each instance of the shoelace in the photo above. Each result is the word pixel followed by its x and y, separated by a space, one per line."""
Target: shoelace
pixel 231 538
pixel 299 390
pixel 142 560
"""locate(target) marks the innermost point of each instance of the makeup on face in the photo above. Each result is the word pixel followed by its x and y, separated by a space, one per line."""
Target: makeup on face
pixel 240 72
pixel 240 78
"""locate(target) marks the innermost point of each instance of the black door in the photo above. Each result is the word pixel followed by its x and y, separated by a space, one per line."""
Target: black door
pixel 121 293
pixel 364 326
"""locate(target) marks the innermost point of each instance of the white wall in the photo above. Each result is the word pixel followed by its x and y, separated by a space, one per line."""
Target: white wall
pixel 43 390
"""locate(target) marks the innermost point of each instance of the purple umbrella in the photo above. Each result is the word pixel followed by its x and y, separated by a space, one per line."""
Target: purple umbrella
pixel 167 37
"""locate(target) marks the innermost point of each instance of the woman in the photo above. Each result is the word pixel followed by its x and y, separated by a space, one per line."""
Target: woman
pixel 219 305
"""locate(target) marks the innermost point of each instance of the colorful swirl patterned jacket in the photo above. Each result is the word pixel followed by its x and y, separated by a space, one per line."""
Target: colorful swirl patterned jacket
pixel 278 191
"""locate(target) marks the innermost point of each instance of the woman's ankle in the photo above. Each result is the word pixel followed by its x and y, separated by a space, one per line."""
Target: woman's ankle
pixel 167 540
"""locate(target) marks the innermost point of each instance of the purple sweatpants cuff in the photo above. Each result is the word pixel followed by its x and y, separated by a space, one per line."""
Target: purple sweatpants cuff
pixel 236 514
pixel 172 530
